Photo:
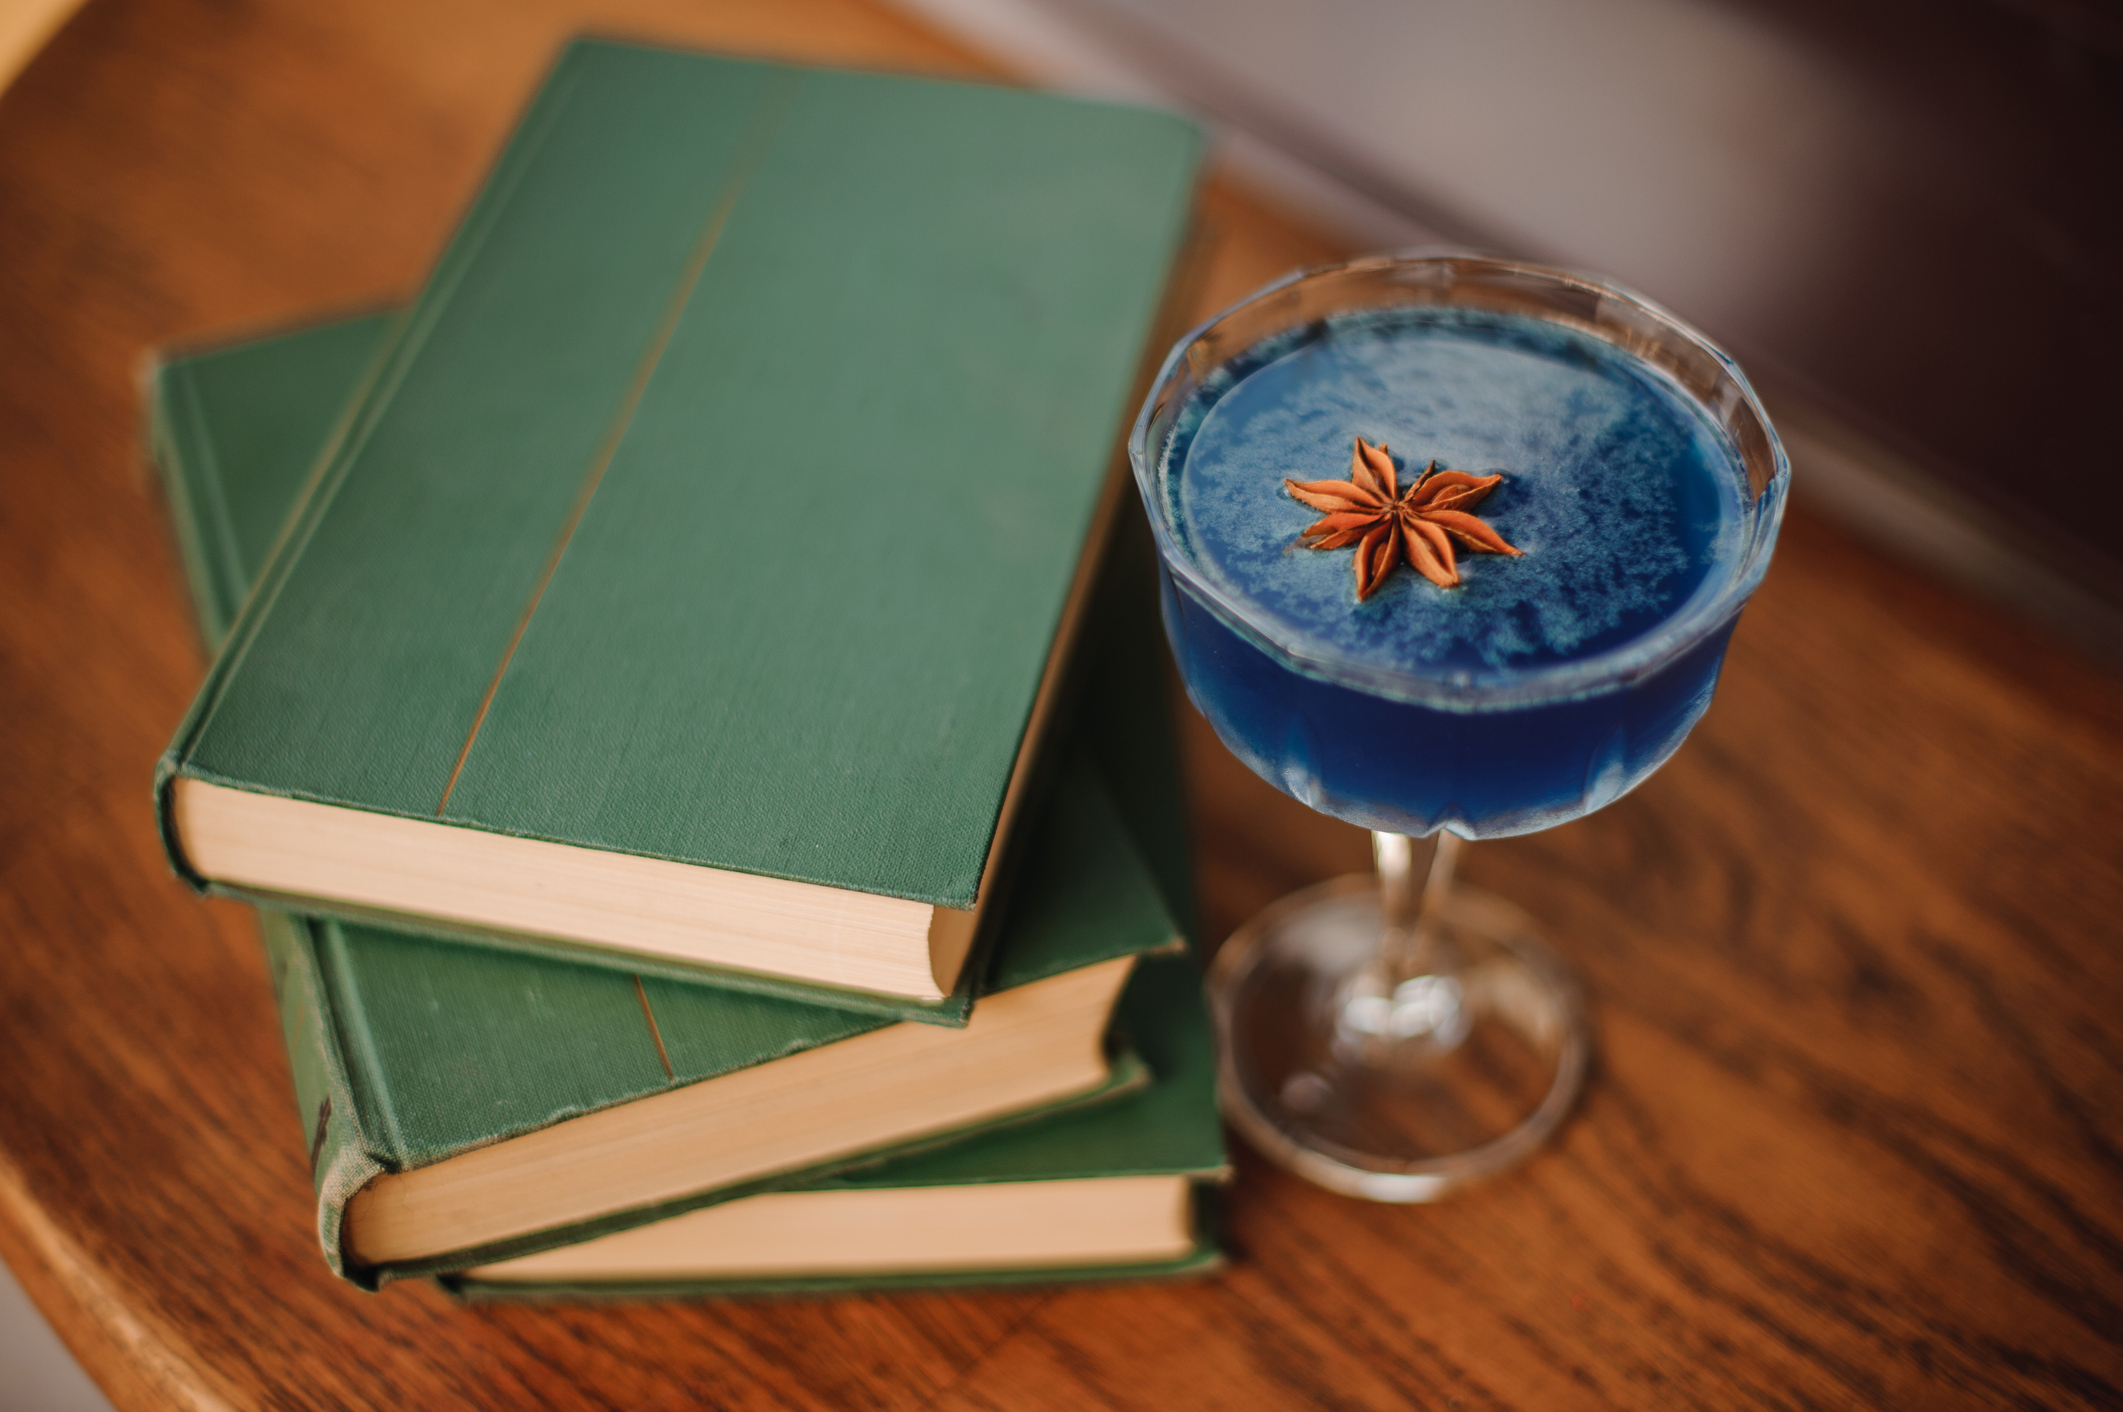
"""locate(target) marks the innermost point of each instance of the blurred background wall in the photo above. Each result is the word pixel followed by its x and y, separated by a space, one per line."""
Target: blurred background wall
pixel 1905 218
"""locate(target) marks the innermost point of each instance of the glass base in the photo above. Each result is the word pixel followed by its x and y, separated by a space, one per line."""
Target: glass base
pixel 1402 1093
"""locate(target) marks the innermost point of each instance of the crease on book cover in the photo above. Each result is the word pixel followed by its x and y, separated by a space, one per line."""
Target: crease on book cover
pixel 763 123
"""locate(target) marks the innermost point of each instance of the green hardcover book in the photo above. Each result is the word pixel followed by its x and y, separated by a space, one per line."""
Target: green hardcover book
pixel 1105 1192
pixel 471 1104
pixel 409 1052
pixel 689 580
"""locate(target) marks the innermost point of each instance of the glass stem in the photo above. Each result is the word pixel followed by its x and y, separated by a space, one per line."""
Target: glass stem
pixel 1412 942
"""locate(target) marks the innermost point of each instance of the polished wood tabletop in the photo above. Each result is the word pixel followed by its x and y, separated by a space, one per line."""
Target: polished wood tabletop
pixel 1855 1136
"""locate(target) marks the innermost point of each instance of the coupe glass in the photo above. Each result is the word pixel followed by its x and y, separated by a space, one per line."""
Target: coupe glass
pixel 1394 1037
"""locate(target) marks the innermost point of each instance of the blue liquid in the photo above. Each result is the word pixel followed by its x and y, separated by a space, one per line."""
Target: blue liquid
pixel 1623 494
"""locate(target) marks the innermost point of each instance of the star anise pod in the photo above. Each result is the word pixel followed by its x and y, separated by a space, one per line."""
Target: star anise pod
pixel 1387 524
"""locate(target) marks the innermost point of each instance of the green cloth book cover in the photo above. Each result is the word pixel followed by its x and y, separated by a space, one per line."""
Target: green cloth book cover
pixel 406 1049
pixel 720 505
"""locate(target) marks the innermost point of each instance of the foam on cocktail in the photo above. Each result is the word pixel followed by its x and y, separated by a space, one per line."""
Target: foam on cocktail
pixel 1622 493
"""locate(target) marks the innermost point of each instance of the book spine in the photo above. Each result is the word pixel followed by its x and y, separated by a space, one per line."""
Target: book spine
pixel 341 1159
pixel 401 346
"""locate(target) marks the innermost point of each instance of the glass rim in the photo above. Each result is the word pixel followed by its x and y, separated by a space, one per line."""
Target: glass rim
pixel 1468 689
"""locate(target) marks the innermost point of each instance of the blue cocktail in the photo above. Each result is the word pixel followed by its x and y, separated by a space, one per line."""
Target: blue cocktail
pixel 1416 670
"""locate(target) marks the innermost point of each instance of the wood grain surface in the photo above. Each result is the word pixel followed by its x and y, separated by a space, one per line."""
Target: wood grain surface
pixel 1854 1136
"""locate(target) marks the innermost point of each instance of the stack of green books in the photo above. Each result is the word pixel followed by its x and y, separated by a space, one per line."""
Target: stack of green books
pixel 686 716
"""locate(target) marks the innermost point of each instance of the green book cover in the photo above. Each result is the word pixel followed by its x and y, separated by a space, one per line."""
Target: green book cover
pixel 721 501
pixel 406 1049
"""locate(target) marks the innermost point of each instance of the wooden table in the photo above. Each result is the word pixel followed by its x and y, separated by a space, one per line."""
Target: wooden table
pixel 1856 1136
